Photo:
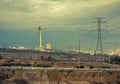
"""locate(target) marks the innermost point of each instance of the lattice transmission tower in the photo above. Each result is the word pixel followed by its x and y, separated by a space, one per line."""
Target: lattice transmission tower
pixel 99 35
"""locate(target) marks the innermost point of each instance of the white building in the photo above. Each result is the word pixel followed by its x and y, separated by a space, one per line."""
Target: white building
pixel 48 46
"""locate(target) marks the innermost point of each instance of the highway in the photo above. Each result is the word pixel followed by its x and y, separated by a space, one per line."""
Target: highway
pixel 59 68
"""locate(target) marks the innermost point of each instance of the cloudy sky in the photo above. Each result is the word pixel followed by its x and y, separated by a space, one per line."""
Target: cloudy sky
pixel 58 15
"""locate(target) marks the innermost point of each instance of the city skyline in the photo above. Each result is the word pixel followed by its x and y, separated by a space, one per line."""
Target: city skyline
pixel 64 23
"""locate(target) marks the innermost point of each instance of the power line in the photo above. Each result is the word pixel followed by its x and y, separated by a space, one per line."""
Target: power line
pixel 114 29
pixel 113 17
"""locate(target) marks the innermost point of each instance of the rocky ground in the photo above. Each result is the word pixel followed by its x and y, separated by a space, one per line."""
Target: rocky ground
pixel 58 77
pixel 28 58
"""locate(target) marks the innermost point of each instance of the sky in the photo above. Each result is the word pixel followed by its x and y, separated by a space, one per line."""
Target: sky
pixel 64 22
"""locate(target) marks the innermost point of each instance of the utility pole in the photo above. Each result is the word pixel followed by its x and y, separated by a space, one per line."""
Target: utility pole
pixel 79 46
pixel 32 62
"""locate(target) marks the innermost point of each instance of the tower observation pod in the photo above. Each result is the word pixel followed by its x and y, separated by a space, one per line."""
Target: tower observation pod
pixel 40 45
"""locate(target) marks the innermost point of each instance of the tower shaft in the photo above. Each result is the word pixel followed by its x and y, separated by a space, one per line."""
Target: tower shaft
pixel 40 40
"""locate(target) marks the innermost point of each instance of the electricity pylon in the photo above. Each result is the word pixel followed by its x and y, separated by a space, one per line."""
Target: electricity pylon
pixel 99 34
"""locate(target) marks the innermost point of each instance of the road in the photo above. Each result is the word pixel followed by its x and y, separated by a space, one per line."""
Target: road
pixel 58 68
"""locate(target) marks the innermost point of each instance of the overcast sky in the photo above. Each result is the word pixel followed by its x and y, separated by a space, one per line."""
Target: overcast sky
pixel 58 15
pixel 55 13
